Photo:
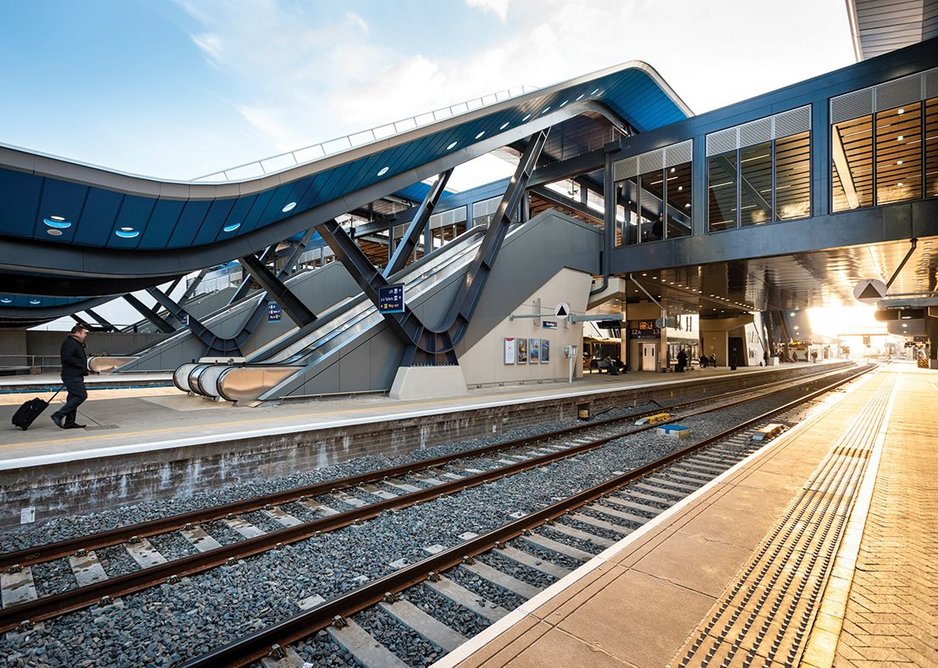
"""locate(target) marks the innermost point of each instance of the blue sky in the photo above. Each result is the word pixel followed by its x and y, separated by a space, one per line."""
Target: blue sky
pixel 177 89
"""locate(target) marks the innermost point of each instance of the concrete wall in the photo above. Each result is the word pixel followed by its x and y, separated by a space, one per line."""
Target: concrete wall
pixel 483 363
pixel 30 347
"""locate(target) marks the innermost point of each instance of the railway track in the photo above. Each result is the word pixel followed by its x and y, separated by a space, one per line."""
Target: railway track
pixel 389 490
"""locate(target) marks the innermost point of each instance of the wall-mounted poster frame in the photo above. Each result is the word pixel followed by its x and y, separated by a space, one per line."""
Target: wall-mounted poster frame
pixel 545 351
pixel 534 351
pixel 510 350
pixel 522 351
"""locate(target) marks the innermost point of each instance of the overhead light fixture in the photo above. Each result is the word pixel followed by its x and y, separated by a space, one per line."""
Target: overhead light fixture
pixel 5 300
pixel 452 146
pixel 503 126
pixel 57 222
pixel 52 232
pixel 35 301
pixel 524 120
pixel 383 171
pixel 480 135
pixel 898 162
pixel 231 228
pixel 292 205
pixel 900 138
pixel 546 109
pixel 127 233
pixel 901 111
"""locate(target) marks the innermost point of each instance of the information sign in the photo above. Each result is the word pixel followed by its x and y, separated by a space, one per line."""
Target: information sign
pixel 509 350
pixel 273 312
pixel 869 291
pixel 562 310
pixel 391 298
pixel 549 324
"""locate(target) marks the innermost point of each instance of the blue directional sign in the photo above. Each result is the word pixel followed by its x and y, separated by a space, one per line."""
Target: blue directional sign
pixel 391 298
pixel 273 312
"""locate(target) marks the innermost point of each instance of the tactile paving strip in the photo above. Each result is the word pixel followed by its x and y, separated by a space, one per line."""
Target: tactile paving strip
pixel 764 617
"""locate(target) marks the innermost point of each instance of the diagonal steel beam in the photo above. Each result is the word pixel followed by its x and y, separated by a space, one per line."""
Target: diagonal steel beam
pixel 149 314
pixel 247 280
pixel 275 288
pixel 214 343
pixel 417 225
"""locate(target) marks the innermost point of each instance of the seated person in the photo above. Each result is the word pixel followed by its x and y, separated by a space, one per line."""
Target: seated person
pixel 703 361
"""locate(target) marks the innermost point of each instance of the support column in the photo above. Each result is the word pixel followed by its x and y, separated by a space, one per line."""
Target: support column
pixel 417 226
pixel 931 328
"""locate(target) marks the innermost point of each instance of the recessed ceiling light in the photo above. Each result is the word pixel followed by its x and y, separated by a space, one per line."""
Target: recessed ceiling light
pixel 54 232
pixel 672 169
pixel 231 228
pixel 596 90
pixel 5 300
pixel 526 118
pixel 687 206
pixel 287 208
pixel 127 233
pixel 34 301
pixel 383 171
pixel 57 222
pixel 579 98
pixel 900 138
pixel 546 109
pixel 480 135
pixel 901 111
pixel 503 126
pixel 127 229
pixel 563 104
pixel 898 162
pixel 452 146
pixel 680 188
pixel 900 184
pixel 644 274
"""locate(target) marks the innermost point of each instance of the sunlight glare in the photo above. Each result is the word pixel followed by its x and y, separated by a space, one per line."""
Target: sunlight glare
pixel 844 320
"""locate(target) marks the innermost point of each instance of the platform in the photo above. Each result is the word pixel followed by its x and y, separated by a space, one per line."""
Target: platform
pixel 816 551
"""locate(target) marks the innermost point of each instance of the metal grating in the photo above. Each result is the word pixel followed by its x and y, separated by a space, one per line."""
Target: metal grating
pixel 852 105
pixel 792 122
pixel 722 141
pixel 896 93
pixel 652 161
pixel 755 132
pixel 913 88
pixel 626 168
pixel 678 154
pixel 449 217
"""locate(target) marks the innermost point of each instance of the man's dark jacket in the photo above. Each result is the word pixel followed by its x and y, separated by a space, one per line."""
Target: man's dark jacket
pixel 74 358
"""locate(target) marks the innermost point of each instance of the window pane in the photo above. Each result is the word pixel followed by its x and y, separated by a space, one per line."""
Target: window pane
pixel 755 166
pixel 651 225
pixel 678 195
pixel 852 158
pixel 899 154
pixel 931 147
pixel 630 198
pixel 722 191
pixel 793 176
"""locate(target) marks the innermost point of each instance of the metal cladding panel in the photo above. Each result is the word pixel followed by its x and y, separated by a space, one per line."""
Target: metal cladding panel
pixel 97 217
pixel 163 221
pixel 133 216
pixel 19 201
pixel 64 200
pixel 216 218
pixel 189 222
pixel 279 198
pixel 252 218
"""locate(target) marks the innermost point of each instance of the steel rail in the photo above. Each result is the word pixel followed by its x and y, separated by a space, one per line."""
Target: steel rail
pixel 75 599
pixel 59 549
pixel 246 650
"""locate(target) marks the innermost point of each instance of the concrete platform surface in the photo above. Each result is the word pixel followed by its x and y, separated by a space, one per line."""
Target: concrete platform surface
pixel 136 419
pixel 856 481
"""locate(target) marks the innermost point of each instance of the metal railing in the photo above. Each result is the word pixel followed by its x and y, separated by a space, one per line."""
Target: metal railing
pixel 290 159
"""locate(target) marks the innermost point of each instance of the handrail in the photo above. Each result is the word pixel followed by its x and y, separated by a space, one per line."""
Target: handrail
pixel 282 161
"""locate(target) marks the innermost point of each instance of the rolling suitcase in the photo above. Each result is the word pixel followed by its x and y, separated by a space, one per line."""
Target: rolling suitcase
pixel 28 412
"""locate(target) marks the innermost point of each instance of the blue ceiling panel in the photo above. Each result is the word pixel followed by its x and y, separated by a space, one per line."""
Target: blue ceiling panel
pixel 217 224
pixel 19 202
pixel 288 193
pixel 162 223
pixel 60 210
pixel 335 184
pixel 131 222
pixel 252 219
pixel 97 217
pixel 190 221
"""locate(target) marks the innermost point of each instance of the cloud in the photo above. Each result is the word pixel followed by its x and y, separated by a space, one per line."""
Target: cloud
pixel 497 7
pixel 209 44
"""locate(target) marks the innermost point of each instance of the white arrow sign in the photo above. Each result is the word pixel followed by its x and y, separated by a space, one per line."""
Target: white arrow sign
pixel 869 291
pixel 562 310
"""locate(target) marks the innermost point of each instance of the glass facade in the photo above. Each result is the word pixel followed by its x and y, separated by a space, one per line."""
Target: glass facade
pixel 657 206
pixel 885 157
pixel 761 183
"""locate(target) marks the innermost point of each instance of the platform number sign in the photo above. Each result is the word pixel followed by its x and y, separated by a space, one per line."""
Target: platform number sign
pixel 391 298
pixel 273 312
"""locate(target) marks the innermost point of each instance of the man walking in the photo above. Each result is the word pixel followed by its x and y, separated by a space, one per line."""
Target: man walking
pixel 74 370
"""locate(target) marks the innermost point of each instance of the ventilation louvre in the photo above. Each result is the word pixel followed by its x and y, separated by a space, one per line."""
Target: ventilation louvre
pixel 913 88
pixel 760 131
pixel 660 158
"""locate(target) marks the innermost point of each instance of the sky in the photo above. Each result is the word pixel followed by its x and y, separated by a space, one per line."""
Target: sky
pixel 177 89
pixel 181 88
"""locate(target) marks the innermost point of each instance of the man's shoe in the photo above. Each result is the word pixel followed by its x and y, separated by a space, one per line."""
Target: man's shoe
pixel 58 421
pixel 74 425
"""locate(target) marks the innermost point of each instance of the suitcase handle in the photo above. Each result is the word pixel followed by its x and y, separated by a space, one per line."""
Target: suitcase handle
pixel 56 393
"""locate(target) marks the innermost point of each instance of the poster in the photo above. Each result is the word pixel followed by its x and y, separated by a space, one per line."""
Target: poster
pixel 510 350
pixel 545 351
pixel 534 347
pixel 522 351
